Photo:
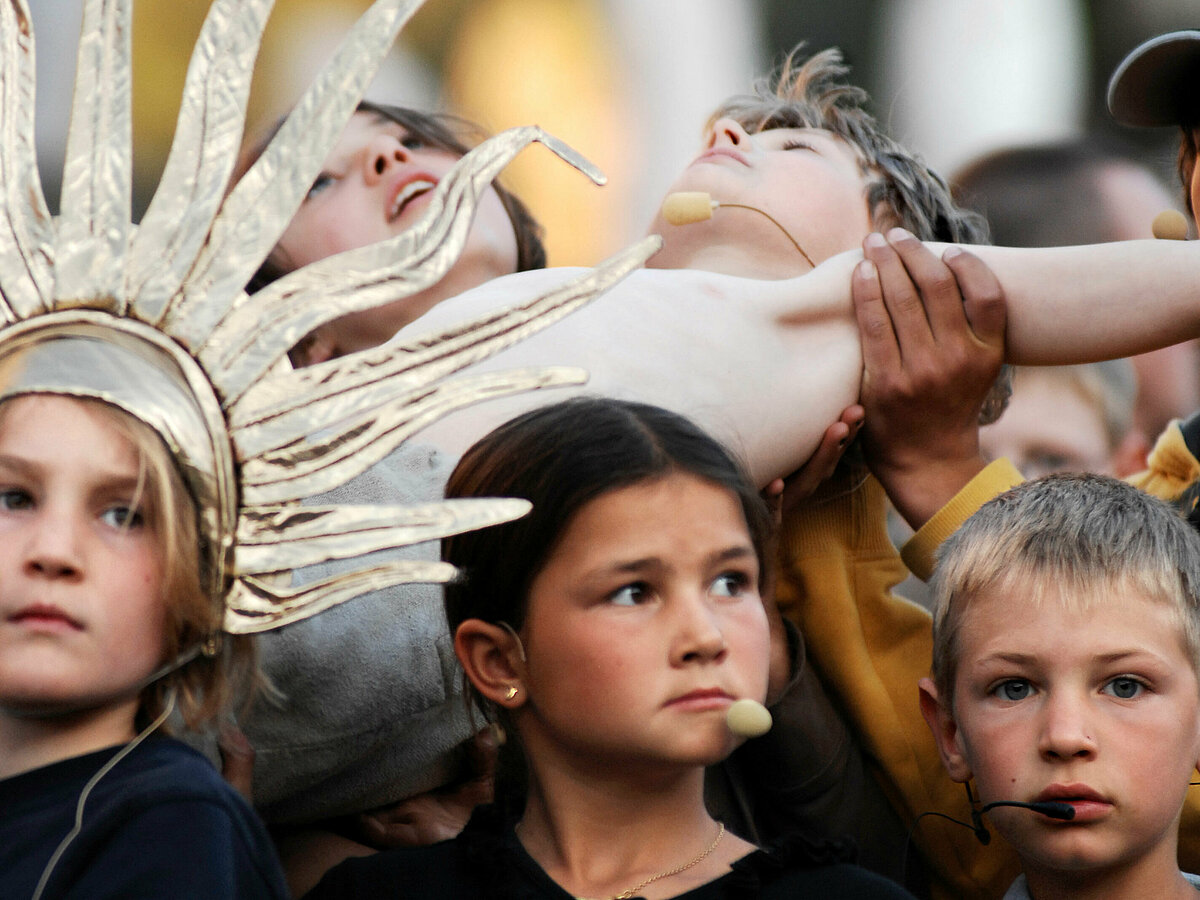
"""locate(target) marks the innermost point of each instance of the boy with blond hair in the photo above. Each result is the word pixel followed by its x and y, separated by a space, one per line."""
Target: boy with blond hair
pixel 1065 660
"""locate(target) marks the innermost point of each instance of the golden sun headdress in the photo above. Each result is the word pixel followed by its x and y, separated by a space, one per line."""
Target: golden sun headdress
pixel 154 318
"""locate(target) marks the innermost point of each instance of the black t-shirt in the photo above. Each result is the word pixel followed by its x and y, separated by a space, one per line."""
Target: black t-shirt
pixel 487 861
pixel 162 823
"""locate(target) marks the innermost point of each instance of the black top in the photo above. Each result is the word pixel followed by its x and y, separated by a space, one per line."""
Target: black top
pixel 162 823
pixel 488 861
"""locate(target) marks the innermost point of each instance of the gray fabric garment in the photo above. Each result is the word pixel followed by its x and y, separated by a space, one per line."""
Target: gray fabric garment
pixel 1019 890
pixel 372 710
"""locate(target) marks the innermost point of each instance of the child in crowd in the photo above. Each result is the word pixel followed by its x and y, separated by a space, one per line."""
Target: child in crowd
pixel 149 492
pixel 609 631
pixel 374 185
pixel 105 629
pixel 1066 654
pixel 1069 419
pixel 770 361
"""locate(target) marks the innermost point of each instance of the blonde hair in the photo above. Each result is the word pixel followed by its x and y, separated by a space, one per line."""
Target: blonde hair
pixel 1056 539
pixel 208 684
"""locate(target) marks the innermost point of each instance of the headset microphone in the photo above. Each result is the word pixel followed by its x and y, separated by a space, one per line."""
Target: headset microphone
pixel 1169 225
pixel 748 718
pixel 690 207
pixel 1051 808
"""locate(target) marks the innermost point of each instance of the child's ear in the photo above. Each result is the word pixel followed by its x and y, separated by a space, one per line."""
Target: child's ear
pixel 940 719
pixel 492 657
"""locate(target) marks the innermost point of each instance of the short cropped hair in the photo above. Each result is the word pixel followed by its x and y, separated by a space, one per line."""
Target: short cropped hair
pixel 1058 538
pixel 901 190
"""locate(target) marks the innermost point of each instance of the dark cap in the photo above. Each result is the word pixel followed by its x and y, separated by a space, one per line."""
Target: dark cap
pixel 1158 83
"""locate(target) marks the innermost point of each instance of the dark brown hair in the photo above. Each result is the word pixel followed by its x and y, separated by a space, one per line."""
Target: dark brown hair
pixel 1187 163
pixel 560 458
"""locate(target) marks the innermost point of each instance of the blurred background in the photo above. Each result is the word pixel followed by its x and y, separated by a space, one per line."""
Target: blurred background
pixel 630 83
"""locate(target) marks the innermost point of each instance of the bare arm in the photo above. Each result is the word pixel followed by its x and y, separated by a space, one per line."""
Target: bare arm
pixel 767 365
pixel 1081 304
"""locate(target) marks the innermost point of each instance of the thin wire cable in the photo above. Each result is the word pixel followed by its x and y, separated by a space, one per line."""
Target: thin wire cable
pixel 776 222
pixel 908 840
pixel 87 789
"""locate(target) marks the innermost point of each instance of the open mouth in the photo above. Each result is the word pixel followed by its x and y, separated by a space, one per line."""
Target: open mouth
pixel 411 191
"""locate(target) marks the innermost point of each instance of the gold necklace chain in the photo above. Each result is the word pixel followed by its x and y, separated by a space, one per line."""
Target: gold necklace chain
pixel 630 892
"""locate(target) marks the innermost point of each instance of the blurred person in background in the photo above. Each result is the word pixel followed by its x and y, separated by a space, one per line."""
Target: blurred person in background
pixel 1069 419
pixel 1072 193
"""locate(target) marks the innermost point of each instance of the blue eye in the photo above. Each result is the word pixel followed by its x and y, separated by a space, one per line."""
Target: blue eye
pixel 321 182
pixel 1013 689
pixel 1124 688
pixel 630 594
pixel 123 517
pixel 15 499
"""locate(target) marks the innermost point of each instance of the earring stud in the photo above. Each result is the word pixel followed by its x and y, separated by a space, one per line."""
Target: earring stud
pixel 511 692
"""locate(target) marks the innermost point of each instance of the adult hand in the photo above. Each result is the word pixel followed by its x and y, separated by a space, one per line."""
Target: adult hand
pixel 933 342
pixel 440 814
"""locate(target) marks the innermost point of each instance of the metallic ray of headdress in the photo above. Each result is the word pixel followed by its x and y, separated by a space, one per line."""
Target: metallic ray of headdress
pixel 154 319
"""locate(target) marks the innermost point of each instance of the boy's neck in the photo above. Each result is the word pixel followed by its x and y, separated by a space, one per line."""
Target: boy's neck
pixel 729 259
pixel 1156 874
pixel 30 742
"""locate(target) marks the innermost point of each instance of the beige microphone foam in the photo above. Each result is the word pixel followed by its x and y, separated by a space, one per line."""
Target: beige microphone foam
pixel 687 207
pixel 1170 225
pixel 748 718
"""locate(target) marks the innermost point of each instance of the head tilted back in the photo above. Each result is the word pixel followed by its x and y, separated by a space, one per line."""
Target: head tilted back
pixel 903 191
pixel 154 319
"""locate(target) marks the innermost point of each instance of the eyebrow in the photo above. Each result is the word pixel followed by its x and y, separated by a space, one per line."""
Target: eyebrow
pixel 1114 656
pixel 729 554
pixel 1013 658
pixel 1121 655
pixel 105 480
pixel 19 465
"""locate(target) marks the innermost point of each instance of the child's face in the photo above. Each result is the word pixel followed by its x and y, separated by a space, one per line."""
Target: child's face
pixel 375 184
pixel 808 179
pixel 1050 425
pixel 642 628
pixel 81 609
pixel 1099 708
